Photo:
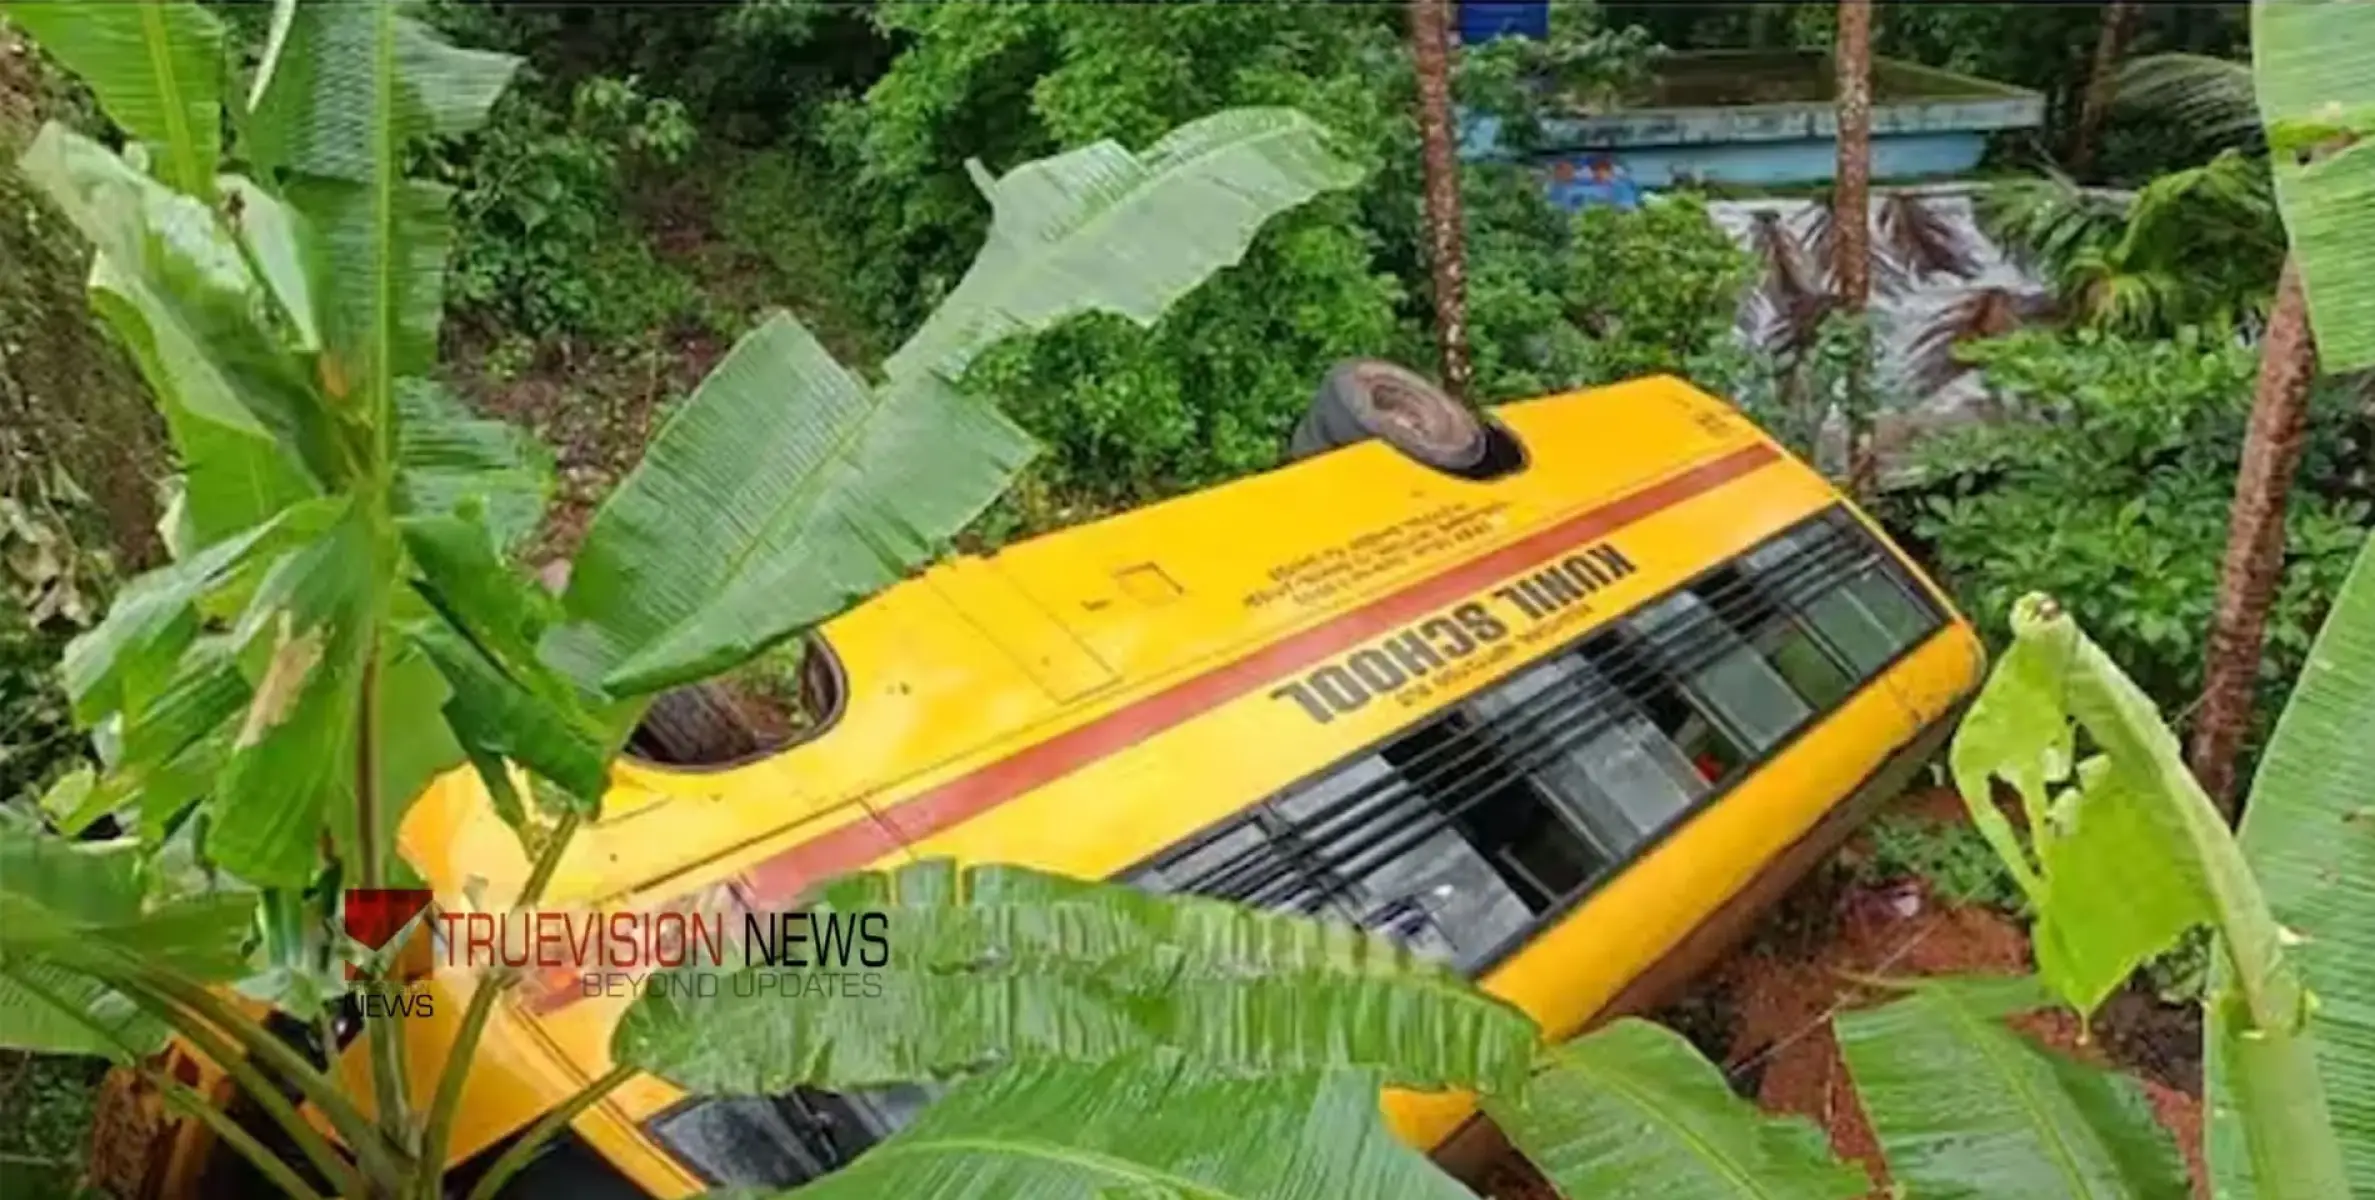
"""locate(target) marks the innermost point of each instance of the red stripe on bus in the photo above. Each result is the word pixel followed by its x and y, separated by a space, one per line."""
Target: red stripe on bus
pixel 781 877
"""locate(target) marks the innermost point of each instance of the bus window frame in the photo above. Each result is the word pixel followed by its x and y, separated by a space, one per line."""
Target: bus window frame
pixel 1881 555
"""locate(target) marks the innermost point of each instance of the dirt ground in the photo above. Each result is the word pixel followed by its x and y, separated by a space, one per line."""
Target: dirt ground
pixel 1764 1012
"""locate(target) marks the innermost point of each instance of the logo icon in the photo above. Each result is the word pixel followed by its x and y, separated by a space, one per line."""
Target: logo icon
pixel 373 915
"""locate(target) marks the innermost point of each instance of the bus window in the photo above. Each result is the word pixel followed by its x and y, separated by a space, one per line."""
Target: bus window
pixel 1711 750
pixel 1609 768
pixel 1721 673
pixel 1781 636
pixel 1836 578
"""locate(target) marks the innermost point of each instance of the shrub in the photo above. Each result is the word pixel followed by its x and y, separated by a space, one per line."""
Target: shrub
pixel 541 243
pixel 2110 484
pixel 1952 856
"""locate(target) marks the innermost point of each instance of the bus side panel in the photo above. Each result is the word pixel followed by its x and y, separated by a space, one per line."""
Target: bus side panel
pixel 1573 971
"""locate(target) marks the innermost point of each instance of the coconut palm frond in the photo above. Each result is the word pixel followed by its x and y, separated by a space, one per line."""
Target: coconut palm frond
pixel 1931 361
pixel 2139 302
pixel 1793 327
pixel 2226 205
pixel 1821 236
pixel 1789 274
pixel 2044 222
pixel 1923 240
pixel 2211 98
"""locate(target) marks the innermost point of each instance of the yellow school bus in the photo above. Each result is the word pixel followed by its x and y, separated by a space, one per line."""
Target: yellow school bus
pixel 1564 694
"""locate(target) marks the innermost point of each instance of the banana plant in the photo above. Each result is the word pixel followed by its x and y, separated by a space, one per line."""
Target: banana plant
pixel 1093 1040
pixel 263 705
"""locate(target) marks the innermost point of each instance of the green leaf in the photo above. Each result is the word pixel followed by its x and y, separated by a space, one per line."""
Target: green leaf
pixel 2309 834
pixel 355 88
pixel 1099 229
pixel 62 897
pixel 1003 964
pixel 292 762
pixel 446 457
pixel 131 654
pixel 2133 826
pixel 173 285
pixel 48 1009
pixel 359 83
pixel 2309 61
pixel 67 801
pixel 1144 1127
pixel 2138 802
pixel 1632 1112
pixel 782 492
pixel 1965 1107
pixel 281 245
pixel 504 701
pixel 412 751
pixel 156 66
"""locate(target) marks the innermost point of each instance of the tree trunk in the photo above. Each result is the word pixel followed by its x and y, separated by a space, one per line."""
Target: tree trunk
pixel 2254 564
pixel 1851 221
pixel 2118 18
pixel 1430 47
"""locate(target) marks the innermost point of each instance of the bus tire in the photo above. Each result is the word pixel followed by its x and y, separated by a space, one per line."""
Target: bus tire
pixel 1366 398
pixel 695 725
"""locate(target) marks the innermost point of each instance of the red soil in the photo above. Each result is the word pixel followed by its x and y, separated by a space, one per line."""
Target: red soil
pixel 1772 1000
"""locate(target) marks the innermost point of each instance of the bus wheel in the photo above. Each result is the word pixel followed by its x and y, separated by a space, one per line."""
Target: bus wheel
pixel 1370 398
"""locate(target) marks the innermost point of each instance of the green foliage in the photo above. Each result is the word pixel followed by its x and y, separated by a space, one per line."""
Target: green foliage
pixel 846 492
pixel 1004 965
pixel 2195 246
pixel 1634 1111
pixel 340 566
pixel 2310 70
pixel 2129 854
pixel 1965 1107
pixel 2307 836
pixel 541 241
pixel 1953 857
pixel 1211 395
pixel 2111 483
pixel 1055 1131
pixel 1650 289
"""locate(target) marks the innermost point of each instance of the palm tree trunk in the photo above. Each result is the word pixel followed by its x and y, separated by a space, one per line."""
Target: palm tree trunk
pixel 1851 221
pixel 1430 47
pixel 2118 18
pixel 2255 541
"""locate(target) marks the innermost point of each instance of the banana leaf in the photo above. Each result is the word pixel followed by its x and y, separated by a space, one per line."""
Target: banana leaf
pixel 2309 835
pixel 782 491
pixel 156 67
pixel 1965 1107
pixel 2141 852
pixel 1632 1112
pixel 64 905
pixel 2317 93
pixel 1000 964
pixel 292 761
pixel 1148 1126
pixel 355 87
pixel 1099 229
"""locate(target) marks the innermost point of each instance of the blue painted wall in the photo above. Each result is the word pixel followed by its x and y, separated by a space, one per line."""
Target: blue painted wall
pixel 1803 160
pixel 1484 22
